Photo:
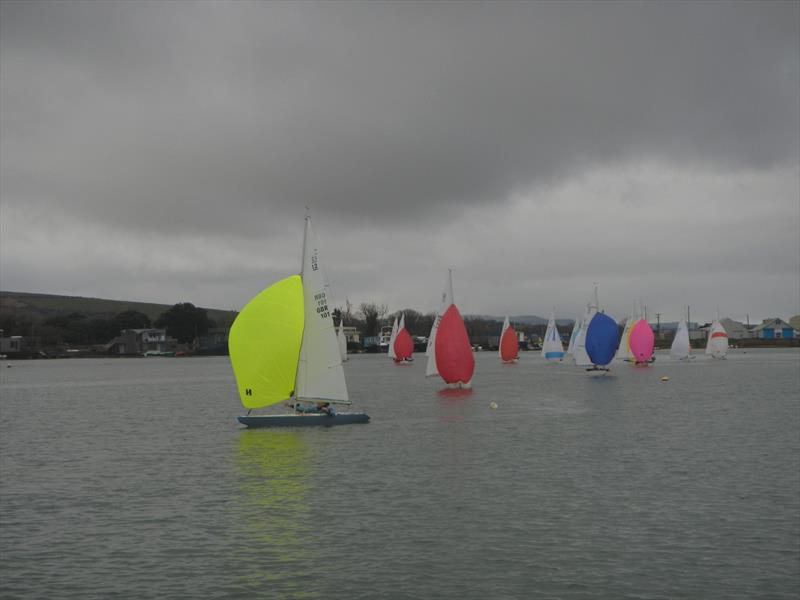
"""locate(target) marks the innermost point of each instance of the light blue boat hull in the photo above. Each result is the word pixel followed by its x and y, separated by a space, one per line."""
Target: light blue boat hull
pixel 309 420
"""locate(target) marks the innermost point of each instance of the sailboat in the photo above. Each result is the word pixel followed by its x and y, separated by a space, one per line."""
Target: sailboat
pixel 552 349
pixel 283 347
pixel 602 339
pixel 403 345
pixel 342 340
pixel 717 345
pixel 392 337
pixel 681 347
pixel 449 351
pixel 642 342
pixel 509 346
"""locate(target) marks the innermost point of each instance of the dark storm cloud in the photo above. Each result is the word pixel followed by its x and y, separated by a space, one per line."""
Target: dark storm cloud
pixel 229 115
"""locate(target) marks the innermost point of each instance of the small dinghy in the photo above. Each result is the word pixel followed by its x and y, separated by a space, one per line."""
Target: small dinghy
pixel 509 346
pixel 552 349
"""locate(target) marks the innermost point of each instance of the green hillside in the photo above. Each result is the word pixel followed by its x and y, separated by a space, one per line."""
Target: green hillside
pixel 43 306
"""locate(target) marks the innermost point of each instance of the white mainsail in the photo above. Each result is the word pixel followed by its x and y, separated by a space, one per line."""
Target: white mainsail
pixel 430 350
pixel 624 349
pixel 320 375
pixel 340 337
pixel 552 348
pixel 506 325
pixel 392 337
pixel 681 347
pixel 717 345
pixel 579 354
pixel 576 328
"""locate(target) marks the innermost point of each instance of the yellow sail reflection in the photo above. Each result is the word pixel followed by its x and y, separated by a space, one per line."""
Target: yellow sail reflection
pixel 274 521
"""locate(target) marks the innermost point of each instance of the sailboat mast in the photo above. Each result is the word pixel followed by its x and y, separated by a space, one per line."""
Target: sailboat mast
pixel 305 237
pixel 450 285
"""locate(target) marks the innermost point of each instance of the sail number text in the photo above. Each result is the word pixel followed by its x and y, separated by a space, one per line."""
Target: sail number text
pixel 322 305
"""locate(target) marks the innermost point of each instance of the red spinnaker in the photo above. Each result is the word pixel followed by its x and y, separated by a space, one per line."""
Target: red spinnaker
pixel 509 346
pixel 454 358
pixel 403 345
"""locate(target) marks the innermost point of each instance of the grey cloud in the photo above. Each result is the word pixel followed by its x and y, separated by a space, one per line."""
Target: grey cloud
pixel 419 133
pixel 206 115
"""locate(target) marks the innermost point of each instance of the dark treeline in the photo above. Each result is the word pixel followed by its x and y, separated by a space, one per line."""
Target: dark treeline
pixel 183 321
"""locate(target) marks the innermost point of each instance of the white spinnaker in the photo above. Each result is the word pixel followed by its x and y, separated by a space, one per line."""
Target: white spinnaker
pixel 681 347
pixel 717 340
pixel 430 350
pixel 552 341
pixel 340 337
pixel 392 353
pixel 319 372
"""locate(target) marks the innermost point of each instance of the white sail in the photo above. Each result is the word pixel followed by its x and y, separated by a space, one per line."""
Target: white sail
pixel 576 328
pixel 624 349
pixel 430 350
pixel 506 325
pixel 340 337
pixel 579 354
pixel 552 348
pixel 392 337
pixel 680 345
pixel 717 345
pixel 320 375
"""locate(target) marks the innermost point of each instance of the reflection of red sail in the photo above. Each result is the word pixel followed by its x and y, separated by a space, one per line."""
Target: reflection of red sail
pixel 509 347
pixel 403 345
pixel 454 358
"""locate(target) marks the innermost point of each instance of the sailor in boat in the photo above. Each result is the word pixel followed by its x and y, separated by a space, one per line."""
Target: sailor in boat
pixel 326 408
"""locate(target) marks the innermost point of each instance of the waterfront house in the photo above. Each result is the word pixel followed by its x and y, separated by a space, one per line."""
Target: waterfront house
pixel 774 329
pixel 132 342
pixel 214 342
pixel 20 346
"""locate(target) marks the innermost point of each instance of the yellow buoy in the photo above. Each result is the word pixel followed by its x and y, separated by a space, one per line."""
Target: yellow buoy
pixel 493 405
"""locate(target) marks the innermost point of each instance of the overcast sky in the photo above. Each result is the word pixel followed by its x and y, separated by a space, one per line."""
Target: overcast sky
pixel 166 152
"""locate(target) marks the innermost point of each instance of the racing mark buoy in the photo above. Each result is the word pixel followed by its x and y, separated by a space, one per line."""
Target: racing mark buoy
pixel 493 405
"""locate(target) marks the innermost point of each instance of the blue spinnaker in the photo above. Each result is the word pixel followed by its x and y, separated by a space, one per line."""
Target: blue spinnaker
pixel 602 339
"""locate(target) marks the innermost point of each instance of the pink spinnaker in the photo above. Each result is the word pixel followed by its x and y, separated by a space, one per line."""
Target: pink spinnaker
pixel 641 341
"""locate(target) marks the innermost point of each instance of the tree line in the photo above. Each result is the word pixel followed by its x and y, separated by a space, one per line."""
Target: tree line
pixel 185 322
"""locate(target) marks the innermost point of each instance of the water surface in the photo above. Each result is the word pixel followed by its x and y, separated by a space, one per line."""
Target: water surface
pixel 129 478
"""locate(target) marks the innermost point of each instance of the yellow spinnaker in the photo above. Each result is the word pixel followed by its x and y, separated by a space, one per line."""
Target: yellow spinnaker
pixel 264 343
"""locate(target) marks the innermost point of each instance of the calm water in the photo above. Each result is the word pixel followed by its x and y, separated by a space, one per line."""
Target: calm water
pixel 129 478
